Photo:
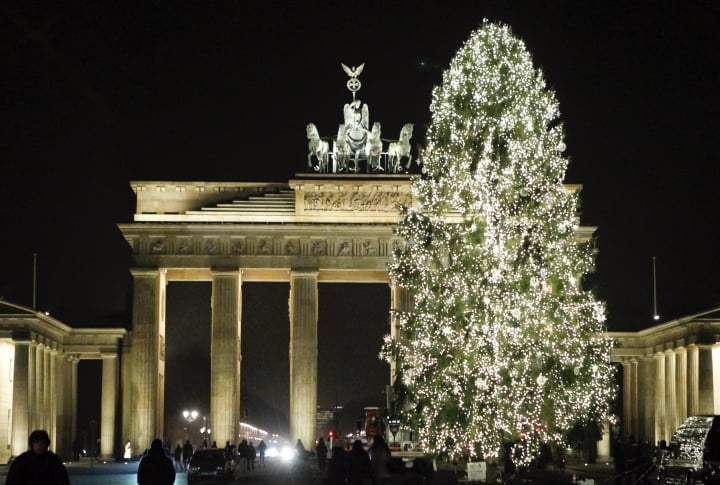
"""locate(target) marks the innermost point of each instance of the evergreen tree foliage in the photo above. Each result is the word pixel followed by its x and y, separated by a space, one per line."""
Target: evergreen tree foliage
pixel 502 345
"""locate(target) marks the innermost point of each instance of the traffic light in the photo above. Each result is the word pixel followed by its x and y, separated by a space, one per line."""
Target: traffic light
pixel 331 434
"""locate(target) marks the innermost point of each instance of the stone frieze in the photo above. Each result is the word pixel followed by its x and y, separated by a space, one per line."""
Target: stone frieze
pixel 356 201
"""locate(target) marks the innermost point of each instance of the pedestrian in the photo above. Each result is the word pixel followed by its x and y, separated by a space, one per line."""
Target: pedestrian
pixel 38 465
pixel 214 444
pixel 380 461
pixel 261 452
pixel 230 449
pixel 156 468
pixel 76 449
pixel 178 458
pixel 251 454
pixel 359 468
pixel 243 454
pixel 300 451
pixel 619 459
pixel 127 454
pixel 187 452
pixel 321 452
pixel 337 467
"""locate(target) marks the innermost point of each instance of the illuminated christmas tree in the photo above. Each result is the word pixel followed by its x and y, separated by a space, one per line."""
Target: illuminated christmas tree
pixel 502 345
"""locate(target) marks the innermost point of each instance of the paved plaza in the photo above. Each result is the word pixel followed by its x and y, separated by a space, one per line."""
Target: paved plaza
pixel 279 473
pixel 274 473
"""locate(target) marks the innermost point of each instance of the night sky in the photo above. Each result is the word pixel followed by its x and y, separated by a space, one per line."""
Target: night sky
pixel 96 94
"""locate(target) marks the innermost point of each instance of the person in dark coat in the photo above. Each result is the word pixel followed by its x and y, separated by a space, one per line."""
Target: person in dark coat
pixel 178 458
pixel 321 452
pixel 38 465
pixel 187 452
pixel 261 452
pixel 156 468
pixel 359 468
pixel 380 461
pixel 243 449
pixel 337 467
pixel 619 459
pixel 251 454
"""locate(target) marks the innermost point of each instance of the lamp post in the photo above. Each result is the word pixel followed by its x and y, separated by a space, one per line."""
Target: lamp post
pixel 205 431
pixel 189 416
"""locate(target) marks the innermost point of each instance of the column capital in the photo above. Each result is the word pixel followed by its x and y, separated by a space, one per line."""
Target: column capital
pixel 308 272
pixel 226 272
pixel 146 272
pixel 108 355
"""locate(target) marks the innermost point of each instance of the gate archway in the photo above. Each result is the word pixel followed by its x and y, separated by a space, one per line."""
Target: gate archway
pixel 330 229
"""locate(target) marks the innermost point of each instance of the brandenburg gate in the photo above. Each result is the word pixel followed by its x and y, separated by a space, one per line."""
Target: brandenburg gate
pixel 314 229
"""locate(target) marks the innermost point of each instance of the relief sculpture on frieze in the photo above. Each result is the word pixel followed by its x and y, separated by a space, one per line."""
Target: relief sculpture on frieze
pixel 184 246
pixel 238 247
pixel 318 247
pixel 356 201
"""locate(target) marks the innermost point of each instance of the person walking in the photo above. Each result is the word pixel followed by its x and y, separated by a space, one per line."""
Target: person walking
pixel 38 465
pixel 337 467
pixel 261 452
pixel 187 452
pixel 76 449
pixel 251 454
pixel 156 468
pixel 321 453
pixel 178 458
pixel 300 451
pixel 243 449
pixel 380 461
pixel 127 454
pixel 359 468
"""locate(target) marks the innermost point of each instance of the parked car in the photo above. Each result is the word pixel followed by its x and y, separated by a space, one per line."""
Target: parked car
pixel 213 463
pixel 693 454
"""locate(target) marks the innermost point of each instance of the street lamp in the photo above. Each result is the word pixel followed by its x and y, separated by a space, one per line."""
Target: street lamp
pixel 189 416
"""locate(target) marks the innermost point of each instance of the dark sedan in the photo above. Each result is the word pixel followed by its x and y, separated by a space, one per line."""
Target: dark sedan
pixel 214 463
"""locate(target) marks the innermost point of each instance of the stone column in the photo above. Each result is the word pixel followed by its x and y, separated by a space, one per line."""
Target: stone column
pixel 681 385
pixel 46 412
pixel 32 401
pixel 634 398
pixel 692 381
pixel 706 398
pixel 53 400
pixel 671 423
pixel 147 312
pixel 108 404
pixel 303 355
pixel 225 356
pixel 72 379
pixel 126 389
pixel 39 387
pixel 21 393
pixel 660 397
pixel 399 302
pixel 61 390
pixel 628 416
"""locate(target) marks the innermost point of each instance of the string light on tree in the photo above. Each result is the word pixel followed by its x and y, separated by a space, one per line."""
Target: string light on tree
pixel 503 345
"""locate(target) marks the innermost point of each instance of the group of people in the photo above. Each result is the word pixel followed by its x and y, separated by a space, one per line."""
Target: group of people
pixel 357 466
pixel 632 459
pixel 158 466
pixel 247 454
